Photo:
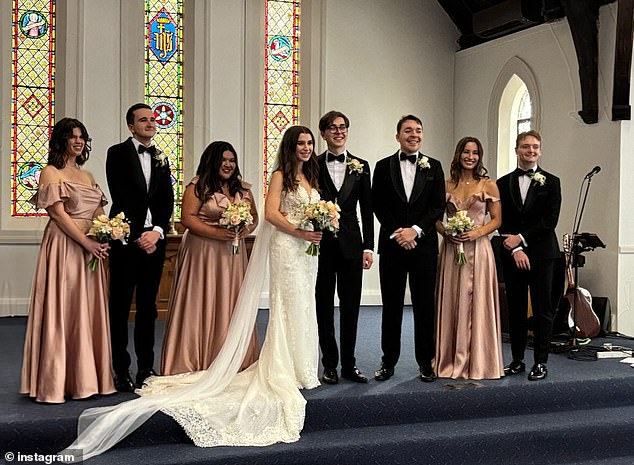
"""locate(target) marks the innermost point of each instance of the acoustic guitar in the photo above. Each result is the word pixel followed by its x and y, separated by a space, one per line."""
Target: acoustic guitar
pixel 581 312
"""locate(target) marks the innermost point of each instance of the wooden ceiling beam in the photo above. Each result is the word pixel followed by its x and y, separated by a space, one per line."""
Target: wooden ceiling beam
pixel 583 18
pixel 621 109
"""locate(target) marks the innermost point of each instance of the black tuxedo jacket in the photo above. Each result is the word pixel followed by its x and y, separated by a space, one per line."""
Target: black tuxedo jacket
pixel 129 192
pixel 391 207
pixel 537 218
pixel 355 189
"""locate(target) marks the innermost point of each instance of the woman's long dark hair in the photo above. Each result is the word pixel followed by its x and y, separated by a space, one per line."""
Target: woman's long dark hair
pixel 58 145
pixel 209 180
pixel 479 172
pixel 287 159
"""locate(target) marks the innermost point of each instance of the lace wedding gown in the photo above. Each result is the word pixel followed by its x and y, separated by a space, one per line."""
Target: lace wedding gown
pixel 261 405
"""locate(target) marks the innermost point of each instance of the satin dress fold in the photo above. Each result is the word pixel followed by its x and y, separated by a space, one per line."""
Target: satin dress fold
pixel 67 344
pixel 206 285
pixel 468 327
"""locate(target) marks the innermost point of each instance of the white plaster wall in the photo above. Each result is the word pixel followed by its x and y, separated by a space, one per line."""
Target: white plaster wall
pixel 625 306
pixel 570 147
pixel 381 61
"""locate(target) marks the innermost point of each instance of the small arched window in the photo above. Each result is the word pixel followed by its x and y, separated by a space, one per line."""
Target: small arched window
pixel 525 112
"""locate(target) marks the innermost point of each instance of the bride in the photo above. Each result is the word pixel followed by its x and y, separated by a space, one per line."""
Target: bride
pixel 261 405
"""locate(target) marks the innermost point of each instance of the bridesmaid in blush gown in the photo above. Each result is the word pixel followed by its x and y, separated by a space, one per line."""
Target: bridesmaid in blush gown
pixel 67 344
pixel 468 329
pixel 208 275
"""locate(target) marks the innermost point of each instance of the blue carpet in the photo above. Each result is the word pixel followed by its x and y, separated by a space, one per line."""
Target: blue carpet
pixel 582 414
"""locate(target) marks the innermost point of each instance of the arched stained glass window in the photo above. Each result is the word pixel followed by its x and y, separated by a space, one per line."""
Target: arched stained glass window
pixel 524 112
pixel 281 75
pixel 32 98
pixel 164 83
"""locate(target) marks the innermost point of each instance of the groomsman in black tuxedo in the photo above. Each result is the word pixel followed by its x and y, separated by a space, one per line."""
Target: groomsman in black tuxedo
pixel 140 186
pixel 531 200
pixel 345 179
pixel 408 196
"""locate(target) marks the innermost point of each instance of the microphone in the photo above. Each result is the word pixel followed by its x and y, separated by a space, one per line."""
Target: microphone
pixel 594 171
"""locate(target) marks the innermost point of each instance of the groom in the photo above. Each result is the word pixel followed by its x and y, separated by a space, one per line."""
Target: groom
pixel 531 200
pixel 408 196
pixel 141 187
pixel 345 179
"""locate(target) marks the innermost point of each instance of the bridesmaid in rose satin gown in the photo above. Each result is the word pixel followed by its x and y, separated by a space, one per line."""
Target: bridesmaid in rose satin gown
pixel 208 276
pixel 67 343
pixel 468 328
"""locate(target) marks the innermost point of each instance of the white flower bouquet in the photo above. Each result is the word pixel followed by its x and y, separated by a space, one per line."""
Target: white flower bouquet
pixel 106 229
pixel 235 217
pixel 456 225
pixel 323 215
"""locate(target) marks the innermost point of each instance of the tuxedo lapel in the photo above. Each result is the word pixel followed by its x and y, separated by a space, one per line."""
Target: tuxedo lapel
pixel 153 176
pixel 327 182
pixel 530 195
pixel 397 177
pixel 348 183
pixel 514 189
pixel 135 164
pixel 419 182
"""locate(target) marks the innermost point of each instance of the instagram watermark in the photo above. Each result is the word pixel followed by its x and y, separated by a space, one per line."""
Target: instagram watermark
pixel 35 458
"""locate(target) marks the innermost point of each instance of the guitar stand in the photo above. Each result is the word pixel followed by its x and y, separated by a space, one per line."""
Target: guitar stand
pixel 581 243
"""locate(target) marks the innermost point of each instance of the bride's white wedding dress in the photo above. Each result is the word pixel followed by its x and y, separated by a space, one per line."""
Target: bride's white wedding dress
pixel 219 406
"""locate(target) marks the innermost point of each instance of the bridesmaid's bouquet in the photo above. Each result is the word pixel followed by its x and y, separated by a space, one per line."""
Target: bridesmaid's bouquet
pixel 106 229
pixel 323 215
pixel 456 225
pixel 235 217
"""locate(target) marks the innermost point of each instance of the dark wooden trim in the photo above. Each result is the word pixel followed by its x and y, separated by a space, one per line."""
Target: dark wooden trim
pixel 583 18
pixel 621 109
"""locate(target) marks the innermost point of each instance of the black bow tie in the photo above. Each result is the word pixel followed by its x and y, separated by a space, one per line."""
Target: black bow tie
pixel 410 158
pixel 151 150
pixel 340 158
pixel 520 172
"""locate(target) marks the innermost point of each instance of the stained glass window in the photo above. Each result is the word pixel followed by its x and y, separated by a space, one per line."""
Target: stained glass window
pixel 164 83
pixel 524 113
pixel 32 98
pixel 281 75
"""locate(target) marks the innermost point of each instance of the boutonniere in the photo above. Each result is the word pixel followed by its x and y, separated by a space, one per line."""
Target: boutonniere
pixel 423 163
pixel 354 166
pixel 160 157
pixel 539 179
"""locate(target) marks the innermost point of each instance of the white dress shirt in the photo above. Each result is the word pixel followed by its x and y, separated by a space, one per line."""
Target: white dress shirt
pixel 408 173
pixel 146 165
pixel 336 169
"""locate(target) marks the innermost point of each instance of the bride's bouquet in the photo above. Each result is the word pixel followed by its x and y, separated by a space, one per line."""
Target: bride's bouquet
pixel 235 217
pixel 323 215
pixel 456 225
pixel 106 229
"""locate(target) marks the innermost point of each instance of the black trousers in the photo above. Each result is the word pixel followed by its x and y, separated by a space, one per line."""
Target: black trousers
pixel 394 268
pixel 132 269
pixel 540 282
pixel 346 275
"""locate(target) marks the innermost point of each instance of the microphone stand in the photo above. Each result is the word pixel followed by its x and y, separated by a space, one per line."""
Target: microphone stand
pixel 577 260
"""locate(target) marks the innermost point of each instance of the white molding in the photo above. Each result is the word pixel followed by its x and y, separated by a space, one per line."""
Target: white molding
pixel 626 249
pixel 14 306
pixel 8 237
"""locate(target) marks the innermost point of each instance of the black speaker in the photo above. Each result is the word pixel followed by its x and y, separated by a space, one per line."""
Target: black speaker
pixel 601 307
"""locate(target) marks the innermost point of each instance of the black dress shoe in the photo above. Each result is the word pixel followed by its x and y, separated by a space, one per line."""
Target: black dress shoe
pixel 427 374
pixel 515 367
pixel 142 375
pixel 330 376
pixel 354 375
pixel 384 373
pixel 123 382
pixel 539 371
